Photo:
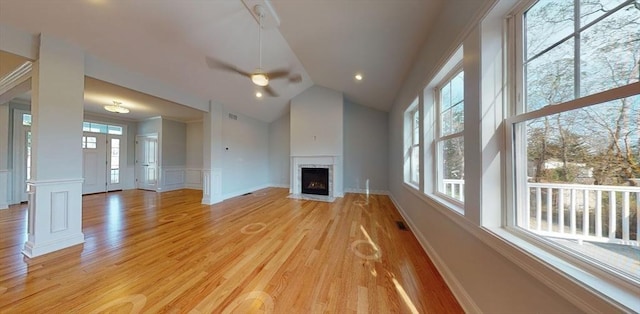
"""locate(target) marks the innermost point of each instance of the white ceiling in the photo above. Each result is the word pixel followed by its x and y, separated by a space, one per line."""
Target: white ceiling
pixel 325 41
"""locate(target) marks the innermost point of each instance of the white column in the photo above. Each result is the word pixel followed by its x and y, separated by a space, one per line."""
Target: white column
pixel 55 188
pixel 4 156
pixel 212 155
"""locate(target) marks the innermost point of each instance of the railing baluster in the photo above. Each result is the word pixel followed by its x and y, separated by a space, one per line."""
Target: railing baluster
pixel 625 216
pixel 569 201
pixel 638 217
pixel 461 192
pixel 573 211
pixel 549 209
pixel 612 215
pixel 561 210
pixel 598 213
pixel 585 212
pixel 538 209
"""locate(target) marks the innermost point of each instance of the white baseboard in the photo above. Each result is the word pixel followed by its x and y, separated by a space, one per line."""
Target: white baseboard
pixel 244 191
pixel 277 185
pixel 456 287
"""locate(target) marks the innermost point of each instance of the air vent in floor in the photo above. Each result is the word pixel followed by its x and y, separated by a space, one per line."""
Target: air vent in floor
pixel 401 225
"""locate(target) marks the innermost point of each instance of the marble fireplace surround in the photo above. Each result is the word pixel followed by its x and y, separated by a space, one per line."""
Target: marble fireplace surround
pixel 326 162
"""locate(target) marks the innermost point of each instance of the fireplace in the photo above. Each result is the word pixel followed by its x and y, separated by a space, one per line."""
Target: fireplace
pixel 315 181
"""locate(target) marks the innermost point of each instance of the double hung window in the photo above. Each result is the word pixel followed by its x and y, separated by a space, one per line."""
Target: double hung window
pixel 575 128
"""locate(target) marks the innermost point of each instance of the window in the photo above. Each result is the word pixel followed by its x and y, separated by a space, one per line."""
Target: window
pixel 450 139
pixel 101 128
pixel 576 132
pixel 413 143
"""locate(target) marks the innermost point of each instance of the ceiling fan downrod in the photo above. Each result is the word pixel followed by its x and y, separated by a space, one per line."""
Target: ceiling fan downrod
pixel 259 77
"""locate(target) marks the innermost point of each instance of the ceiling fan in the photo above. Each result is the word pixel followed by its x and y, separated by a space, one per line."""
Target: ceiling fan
pixel 259 77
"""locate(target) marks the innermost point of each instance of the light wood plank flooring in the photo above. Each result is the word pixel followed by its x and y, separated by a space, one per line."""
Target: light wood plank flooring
pixel 149 252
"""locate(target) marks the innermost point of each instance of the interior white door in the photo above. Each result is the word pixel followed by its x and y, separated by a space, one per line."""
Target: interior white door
pixel 94 163
pixel 147 162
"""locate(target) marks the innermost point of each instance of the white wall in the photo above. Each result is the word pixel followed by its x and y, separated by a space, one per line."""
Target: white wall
pixel 149 126
pixel 317 135
pixel 482 278
pixel 174 143
pixel 194 144
pixel 5 184
pixel 245 155
pixel 317 123
pixel 279 152
pixel 193 173
pixel 366 143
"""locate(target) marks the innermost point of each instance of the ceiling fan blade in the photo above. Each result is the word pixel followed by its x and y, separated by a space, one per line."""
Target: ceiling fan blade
pixel 220 65
pixel 270 91
pixel 280 73
pixel 296 78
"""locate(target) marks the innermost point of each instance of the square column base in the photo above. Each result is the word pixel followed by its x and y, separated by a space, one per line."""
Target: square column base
pixel 55 216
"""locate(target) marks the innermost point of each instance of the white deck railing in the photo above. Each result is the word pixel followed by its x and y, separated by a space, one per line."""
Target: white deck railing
pixel 454 188
pixel 584 212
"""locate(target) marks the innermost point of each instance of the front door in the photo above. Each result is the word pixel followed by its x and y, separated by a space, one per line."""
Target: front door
pixel 94 163
pixel 147 162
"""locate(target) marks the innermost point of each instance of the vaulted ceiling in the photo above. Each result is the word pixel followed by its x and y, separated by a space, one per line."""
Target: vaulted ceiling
pixel 326 42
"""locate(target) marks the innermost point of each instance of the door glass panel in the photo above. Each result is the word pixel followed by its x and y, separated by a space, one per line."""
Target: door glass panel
pixel 26 119
pixel 28 154
pixel 152 151
pixel 115 161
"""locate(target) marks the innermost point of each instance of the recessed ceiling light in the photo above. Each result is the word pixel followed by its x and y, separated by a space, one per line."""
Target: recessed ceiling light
pixel 358 77
pixel 258 94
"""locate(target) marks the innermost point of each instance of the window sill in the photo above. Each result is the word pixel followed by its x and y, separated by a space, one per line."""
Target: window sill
pixel 562 272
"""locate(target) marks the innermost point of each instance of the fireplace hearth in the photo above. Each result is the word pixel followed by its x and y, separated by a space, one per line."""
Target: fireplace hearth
pixel 315 181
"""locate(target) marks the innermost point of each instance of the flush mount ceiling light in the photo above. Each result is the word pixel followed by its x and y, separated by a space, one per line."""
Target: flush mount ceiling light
pixel 116 108
pixel 258 94
pixel 358 77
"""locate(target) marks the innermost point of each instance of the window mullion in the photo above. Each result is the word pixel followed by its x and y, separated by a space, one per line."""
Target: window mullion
pixel 576 50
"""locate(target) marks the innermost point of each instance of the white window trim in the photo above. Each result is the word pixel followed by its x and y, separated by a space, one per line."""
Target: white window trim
pixel 414 107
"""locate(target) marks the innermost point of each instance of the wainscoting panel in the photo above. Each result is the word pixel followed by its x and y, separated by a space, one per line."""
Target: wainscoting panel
pixel 193 178
pixel 55 216
pixel 171 178
pixel 4 188
pixel 59 211
pixel 212 186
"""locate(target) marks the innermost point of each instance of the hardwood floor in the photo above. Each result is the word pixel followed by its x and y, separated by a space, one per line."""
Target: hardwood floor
pixel 150 252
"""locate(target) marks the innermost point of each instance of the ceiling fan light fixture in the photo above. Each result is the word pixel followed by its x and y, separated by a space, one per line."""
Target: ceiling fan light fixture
pixel 260 79
pixel 116 108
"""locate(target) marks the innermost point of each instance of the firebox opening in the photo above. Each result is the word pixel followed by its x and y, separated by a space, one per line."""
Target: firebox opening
pixel 315 181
